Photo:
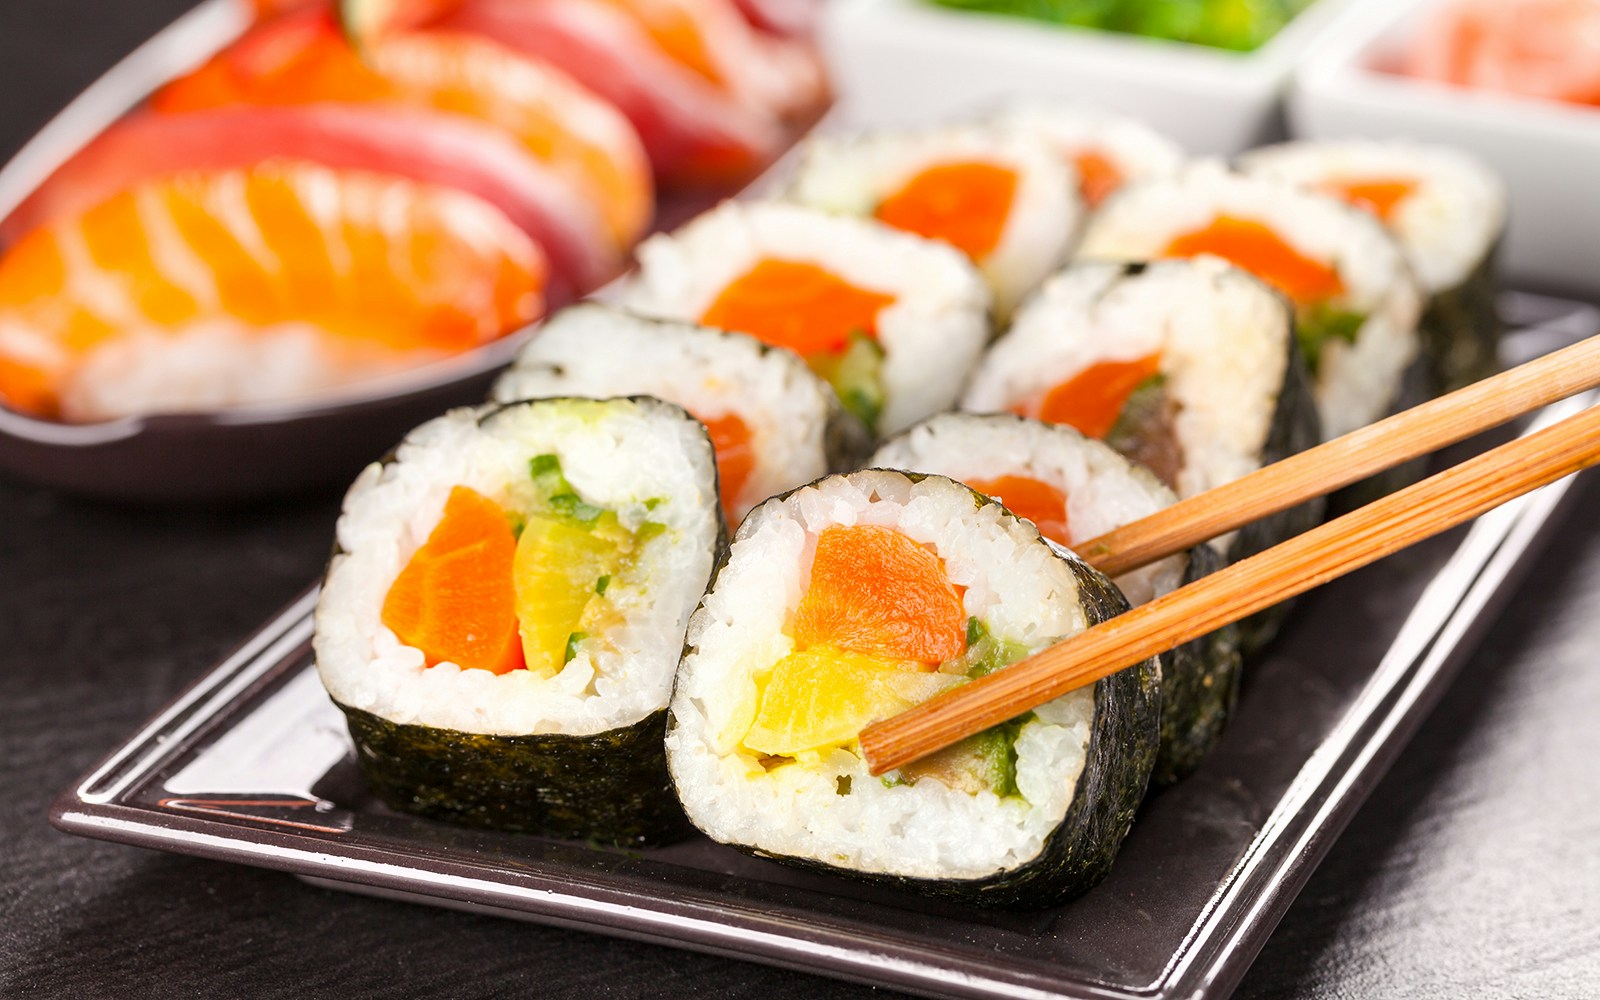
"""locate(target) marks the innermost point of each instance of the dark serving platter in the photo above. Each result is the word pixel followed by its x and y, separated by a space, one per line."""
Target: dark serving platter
pixel 240 452
pixel 252 765
pixel 244 451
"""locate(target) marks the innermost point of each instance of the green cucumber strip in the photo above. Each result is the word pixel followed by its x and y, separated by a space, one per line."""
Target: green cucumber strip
pixel 856 375
pixel 1323 323
pixel 572 645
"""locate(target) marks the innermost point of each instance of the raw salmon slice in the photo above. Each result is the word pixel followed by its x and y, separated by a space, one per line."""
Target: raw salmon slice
pixel 696 134
pixel 1037 501
pixel 1259 249
pixel 966 204
pixel 412 143
pixel 207 289
pixel 304 59
pixel 796 305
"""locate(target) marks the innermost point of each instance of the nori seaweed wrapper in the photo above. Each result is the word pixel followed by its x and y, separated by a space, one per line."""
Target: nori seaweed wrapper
pixel 1116 772
pixel 610 787
pixel 1199 687
pixel 1461 327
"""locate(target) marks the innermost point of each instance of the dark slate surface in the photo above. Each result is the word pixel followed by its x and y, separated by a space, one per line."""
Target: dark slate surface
pixel 1472 870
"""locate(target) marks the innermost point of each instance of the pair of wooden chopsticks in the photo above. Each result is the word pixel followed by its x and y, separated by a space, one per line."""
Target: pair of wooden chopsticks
pixel 1347 543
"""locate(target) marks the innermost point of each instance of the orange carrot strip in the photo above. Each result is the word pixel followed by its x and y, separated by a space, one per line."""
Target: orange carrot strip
pixel 800 306
pixel 965 204
pixel 1092 400
pixel 875 591
pixel 1027 497
pixel 1261 251
pixel 454 600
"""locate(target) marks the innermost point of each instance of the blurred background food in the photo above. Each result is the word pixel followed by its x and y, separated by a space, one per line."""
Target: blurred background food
pixel 353 189
pixel 1241 25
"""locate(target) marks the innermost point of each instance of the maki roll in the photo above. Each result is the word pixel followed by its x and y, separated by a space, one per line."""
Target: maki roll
pixel 1109 150
pixel 504 610
pixel 1188 367
pixel 892 321
pixel 1073 489
pixel 1002 197
pixel 774 422
pixel 1356 303
pixel 1447 209
pixel 856 597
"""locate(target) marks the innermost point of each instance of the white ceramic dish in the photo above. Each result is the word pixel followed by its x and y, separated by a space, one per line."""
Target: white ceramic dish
pixel 905 62
pixel 1548 152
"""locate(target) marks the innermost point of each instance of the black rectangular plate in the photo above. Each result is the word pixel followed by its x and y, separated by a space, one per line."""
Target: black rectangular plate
pixel 252 765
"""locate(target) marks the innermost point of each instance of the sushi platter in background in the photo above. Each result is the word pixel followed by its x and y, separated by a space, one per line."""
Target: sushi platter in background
pixel 1043 299
pixel 281 233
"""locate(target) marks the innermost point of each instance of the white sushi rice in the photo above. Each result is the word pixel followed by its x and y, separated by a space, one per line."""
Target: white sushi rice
pixel 1222 335
pixel 1103 490
pixel 593 350
pixel 1014 584
pixel 214 365
pixel 1447 225
pixel 619 454
pixel 931 334
pixel 1356 383
pixel 854 176
pixel 1139 152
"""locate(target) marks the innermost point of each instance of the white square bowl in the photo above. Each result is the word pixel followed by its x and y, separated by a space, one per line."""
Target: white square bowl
pixel 907 62
pixel 1547 152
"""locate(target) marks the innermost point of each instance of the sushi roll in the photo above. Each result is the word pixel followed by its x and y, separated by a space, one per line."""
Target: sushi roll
pixel 892 321
pixel 1189 367
pixel 775 424
pixel 505 608
pixel 856 597
pixel 1002 197
pixel 1447 209
pixel 1356 302
pixel 1073 489
pixel 1109 150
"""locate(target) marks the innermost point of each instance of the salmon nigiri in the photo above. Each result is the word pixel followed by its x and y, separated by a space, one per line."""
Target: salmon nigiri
pixel 306 58
pixel 415 144
pixel 211 289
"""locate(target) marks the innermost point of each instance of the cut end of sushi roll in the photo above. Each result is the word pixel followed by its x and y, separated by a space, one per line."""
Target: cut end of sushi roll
pixel 775 423
pixel 1189 367
pixel 1179 364
pixel 1356 302
pixel 893 322
pixel 1002 197
pixel 513 587
pixel 1073 489
pixel 1447 209
pixel 1108 150
pixel 854 598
